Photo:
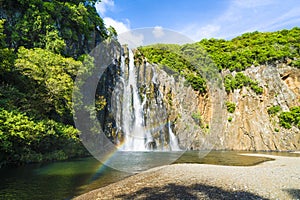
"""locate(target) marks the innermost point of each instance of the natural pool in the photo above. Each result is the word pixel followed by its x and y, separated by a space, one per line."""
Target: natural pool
pixel 64 180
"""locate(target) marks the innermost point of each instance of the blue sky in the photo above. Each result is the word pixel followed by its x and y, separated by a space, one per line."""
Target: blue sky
pixel 198 19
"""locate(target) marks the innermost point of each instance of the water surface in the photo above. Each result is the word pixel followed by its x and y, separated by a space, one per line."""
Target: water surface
pixel 64 180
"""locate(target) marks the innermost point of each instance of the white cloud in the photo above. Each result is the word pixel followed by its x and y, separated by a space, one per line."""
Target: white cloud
pixel 251 3
pixel 290 17
pixel 269 15
pixel 207 31
pixel 125 36
pixel 103 6
pixel 246 16
pixel 158 32
pixel 132 39
pixel 197 32
pixel 118 25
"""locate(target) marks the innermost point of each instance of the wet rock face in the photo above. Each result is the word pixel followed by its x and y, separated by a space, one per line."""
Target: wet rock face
pixel 169 99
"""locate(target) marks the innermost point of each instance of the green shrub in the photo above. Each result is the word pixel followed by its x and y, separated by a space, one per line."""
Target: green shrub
pixel 230 106
pixel 196 82
pixel 296 63
pixel 240 80
pixel 196 115
pixel 257 89
pixel 273 110
pixel 229 119
pixel 23 139
pixel 291 118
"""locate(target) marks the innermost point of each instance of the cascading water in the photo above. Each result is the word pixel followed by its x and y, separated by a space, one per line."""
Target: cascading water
pixel 133 120
pixel 140 123
pixel 173 140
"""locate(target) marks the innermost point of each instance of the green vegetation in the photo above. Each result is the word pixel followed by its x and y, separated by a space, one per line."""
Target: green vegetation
pixel 230 106
pixel 36 23
pixel 240 80
pixel 291 118
pixel 42 46
pixel 296 63
pixel 196 116
pixel 24 139
pixel 229 119
pixel 273 110
pixel 253 49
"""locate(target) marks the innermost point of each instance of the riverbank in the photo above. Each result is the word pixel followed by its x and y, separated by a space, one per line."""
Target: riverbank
pixel 278 179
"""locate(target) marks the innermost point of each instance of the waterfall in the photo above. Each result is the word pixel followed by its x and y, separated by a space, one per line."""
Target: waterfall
pixel 134 111
pixel 133 127
pixel 173 140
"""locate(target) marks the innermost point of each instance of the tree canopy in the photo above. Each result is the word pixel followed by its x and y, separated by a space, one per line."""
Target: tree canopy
pixel 36 23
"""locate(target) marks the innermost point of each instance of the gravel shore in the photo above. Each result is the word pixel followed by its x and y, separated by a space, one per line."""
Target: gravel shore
pixel 278 179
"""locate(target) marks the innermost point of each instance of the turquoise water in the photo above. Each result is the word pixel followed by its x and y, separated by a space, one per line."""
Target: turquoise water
pixel 64 180
pixel 60 180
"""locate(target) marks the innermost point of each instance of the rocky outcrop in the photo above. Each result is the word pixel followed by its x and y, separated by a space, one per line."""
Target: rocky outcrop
pixel 252 128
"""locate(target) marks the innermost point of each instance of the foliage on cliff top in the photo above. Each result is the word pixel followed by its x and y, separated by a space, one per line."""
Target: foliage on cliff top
pixel 253 49
pixel 189 61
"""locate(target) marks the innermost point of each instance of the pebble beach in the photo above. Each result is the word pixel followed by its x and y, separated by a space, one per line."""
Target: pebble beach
pixel 277 179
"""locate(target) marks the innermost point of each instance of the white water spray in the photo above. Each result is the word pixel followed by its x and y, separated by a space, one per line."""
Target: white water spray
pixel 173 140
pixel 136 136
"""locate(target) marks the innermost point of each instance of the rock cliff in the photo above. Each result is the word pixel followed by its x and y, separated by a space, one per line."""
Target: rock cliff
pixel 201 121
pixel 250 127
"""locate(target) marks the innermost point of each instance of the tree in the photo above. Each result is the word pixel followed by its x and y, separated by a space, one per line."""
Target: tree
pixel 112 33
pixel 53 79
pixel 54 43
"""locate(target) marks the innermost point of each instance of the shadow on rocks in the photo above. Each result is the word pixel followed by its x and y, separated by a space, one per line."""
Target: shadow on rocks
pixel 196 191
pixel 294 193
